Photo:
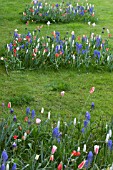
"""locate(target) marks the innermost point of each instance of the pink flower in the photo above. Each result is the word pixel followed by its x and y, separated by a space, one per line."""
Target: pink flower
pixel 9 105
pixel 62 93
pixel 59 166
pixel 38 121
pixel 52 158
pixel 81 165
pixel 92 90
pixel 96 149
pixel 54 148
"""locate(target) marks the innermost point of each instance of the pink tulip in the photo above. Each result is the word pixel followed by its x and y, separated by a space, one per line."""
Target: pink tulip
pixel 92 90
pixel 81 165
pixel 54 148
pixel 38 121
pixel 52 158
pixel 96 149
pixel 9 105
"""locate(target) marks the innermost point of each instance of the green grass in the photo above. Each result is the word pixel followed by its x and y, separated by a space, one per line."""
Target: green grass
pixel 42 87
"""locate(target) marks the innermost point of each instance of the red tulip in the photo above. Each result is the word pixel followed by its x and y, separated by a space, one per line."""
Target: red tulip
pixel 15 137
pixel 74 153
pixel 59 166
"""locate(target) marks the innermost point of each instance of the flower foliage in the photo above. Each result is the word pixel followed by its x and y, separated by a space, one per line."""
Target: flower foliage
pixel 31 50
pixel 64 12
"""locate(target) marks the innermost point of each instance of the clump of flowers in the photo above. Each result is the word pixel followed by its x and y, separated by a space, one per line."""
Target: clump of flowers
pixel 64 12
pixel 55 144
pixel 31 50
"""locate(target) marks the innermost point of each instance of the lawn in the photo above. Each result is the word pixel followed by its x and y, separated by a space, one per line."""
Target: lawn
pixel 42 87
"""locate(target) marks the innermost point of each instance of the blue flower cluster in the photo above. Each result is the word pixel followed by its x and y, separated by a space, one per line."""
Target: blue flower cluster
pixel 56 134
pixel 4 160
pixel 86 121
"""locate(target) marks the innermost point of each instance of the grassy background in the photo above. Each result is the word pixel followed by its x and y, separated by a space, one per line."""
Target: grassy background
pixel 42 88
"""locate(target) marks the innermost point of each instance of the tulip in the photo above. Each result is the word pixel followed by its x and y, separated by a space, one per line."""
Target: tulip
pixel 84 148
pixel 60 166
pixel 52 158
pixel 92 90
pixel 54 148
pixel 42 110
pixel 96 149
pixel 49 115
pixel 9 105
pixel 7 166
pixel 75 153
pixel 36 157
pixel 81 165
pixel 62 93
pixel 38 121
pixel 74 122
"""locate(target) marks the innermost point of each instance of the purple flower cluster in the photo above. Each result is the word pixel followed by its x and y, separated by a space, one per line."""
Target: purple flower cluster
pixel 56 134
pixel 86 121
pixel 4 160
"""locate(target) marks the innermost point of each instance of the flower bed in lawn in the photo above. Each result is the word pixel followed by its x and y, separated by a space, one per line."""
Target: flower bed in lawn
pixel 64 12
pixel 31 50
pixel 43 141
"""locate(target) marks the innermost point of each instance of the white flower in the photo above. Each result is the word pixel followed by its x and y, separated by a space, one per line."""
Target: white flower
pixel 78 150
pixel 16 30
pixel 48 23
pixel 62 93
pixel 110 133
pixel 74 122
pixel 25 135
pixel 42 110
pixel 84 148
pixel 7 166
pixel 37 157
pixel 48 54
pixel 17 48
pixel 89 23
pixel 72 32
pixel 108 58
pixel 58 124
pixel 73 56
pixel 107 138
pixel 49 115
pixel 38 40
pixel 111 168
pixel 94 24
pixel 1 58
pixel 108 31
pixel 52 45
